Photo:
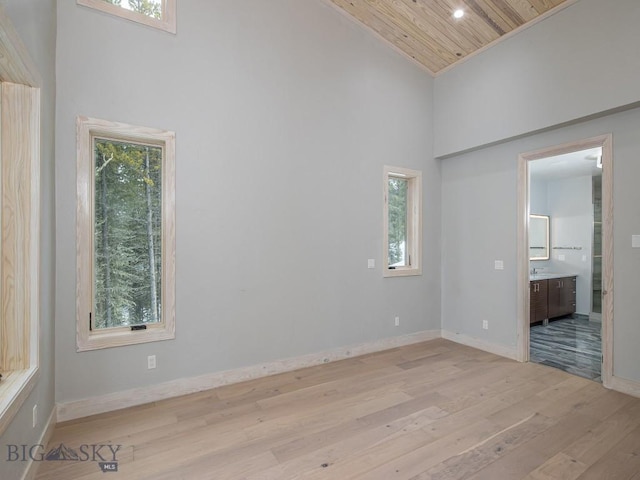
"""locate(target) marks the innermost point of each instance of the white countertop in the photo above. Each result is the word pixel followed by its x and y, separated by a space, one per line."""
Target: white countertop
pixel 549 276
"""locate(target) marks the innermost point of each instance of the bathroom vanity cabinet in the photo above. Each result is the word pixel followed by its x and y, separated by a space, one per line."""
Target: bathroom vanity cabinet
pixel 562 296
pixel 551 297
pixel 538 300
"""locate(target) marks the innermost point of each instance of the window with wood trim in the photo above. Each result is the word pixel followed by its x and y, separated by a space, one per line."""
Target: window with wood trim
pixel 19 245
pixel 402 236
pixel 126 234
pixel 154 13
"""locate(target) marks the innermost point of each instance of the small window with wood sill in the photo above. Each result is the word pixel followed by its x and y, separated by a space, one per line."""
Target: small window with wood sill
pixel 402 236
pixel 126 234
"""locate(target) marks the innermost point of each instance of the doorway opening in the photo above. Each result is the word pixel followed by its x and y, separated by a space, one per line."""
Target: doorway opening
pixel 565 260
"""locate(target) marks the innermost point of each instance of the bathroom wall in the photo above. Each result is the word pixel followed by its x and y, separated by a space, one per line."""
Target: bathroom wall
pixel 571 210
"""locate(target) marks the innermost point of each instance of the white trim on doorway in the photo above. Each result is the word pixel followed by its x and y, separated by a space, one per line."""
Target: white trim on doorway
pixel 606 142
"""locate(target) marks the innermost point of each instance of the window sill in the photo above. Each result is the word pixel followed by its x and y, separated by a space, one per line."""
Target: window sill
pixel 120 337
pixel 14 390
pixel 402 272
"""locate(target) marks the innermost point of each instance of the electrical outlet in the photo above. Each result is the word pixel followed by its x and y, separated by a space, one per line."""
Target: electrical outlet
pixel 371 263
pixel 151 362
pixel 498 265
pixel 35 415
pixel 485 324
pixel 397 321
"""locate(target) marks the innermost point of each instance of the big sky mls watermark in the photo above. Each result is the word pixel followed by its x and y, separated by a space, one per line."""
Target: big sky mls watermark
pixel 103 454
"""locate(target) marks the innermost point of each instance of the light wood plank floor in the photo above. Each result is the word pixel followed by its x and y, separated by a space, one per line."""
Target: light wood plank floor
pixel 435 410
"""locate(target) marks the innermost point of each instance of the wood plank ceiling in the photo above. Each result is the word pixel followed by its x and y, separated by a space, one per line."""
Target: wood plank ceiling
pixel 427 31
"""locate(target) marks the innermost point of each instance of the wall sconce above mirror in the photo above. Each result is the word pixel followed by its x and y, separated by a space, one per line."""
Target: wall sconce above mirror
pixel 538 237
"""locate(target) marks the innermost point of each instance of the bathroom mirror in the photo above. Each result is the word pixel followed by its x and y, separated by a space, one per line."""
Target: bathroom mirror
pixel 538 237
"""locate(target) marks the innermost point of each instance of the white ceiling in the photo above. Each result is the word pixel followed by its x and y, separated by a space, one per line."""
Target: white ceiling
pixel 575 164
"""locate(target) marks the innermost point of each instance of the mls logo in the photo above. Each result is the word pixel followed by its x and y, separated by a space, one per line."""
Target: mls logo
pixel 102 454
pixel 108 466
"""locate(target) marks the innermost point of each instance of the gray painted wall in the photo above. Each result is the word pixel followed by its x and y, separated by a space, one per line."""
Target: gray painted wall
pixel 35 21
pixel 579 62
pixel 487 179
pixel 285 113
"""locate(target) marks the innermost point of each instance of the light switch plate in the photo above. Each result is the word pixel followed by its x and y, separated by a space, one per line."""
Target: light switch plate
pixel 635 241
pixel 499 265
pixel 561 257
pixel 371 263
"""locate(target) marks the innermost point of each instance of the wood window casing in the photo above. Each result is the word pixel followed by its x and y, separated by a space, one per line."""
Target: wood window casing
pixel 20 223
pixel 413 243
pixel 88 130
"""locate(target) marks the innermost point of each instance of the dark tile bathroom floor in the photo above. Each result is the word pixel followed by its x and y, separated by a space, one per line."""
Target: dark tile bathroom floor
pixel 572 344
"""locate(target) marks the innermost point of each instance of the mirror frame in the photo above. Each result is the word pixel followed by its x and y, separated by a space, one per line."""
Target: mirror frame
pixel 548 249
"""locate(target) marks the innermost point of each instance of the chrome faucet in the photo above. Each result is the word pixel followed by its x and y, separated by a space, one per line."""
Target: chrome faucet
pixel 533 271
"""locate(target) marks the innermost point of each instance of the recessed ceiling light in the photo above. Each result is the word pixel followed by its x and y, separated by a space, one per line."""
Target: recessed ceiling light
pixel 458 13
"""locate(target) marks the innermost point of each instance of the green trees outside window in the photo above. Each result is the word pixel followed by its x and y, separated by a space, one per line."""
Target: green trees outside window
pixel 398 207
pixel 150 8
pixel 127 234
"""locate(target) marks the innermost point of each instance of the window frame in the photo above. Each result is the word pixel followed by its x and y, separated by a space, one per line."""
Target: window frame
pixel 167 23
pixel 20 206
pixel 89 129
pixel 20 244
pixel 414 221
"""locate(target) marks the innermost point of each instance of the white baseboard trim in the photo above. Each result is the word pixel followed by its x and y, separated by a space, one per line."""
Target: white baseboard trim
pixel 184 386
pixel 32 467
pixel 501 350
pixel 622 385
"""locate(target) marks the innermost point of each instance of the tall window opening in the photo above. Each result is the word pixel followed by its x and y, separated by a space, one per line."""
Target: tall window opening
pixel 126 234
pixel 402 222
